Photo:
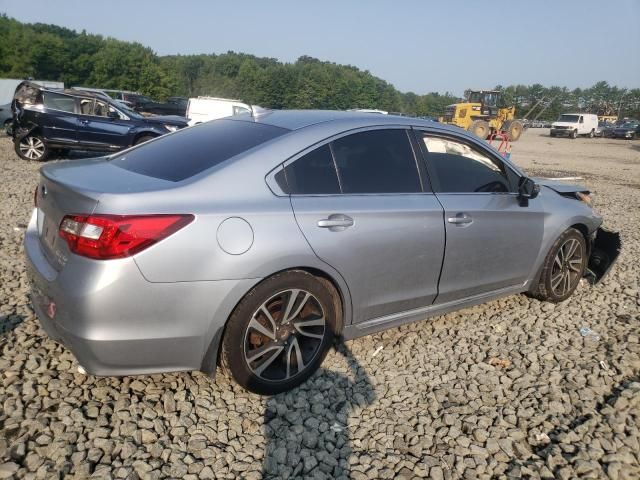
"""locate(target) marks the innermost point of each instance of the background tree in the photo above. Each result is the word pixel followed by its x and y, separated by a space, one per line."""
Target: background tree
pixel 50 52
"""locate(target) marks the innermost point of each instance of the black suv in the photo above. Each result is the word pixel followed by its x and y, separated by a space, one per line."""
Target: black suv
pixel 45 119
pixel 142 104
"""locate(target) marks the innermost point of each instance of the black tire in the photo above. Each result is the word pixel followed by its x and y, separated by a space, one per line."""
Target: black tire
pixel 242 342
pixel 514 130
pixel 592 133
pixel 574 134
pixel 32 148
pixel 480 129
pixel 547 288
pixel 143 138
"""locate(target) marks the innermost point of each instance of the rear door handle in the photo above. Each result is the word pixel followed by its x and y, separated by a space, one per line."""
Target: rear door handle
pixel 460 219
pixel 336 222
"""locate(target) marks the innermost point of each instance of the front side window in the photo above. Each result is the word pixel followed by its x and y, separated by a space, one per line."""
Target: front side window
pixel 101 109
pixel 460 168
pixel 56 101
pixel 239 110
pixel 313 174
pixel 376 161
pixel 86 106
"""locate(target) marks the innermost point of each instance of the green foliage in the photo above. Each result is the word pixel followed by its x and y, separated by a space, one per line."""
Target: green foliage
pixel 50 52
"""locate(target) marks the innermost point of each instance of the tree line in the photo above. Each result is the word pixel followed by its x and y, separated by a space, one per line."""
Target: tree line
pixel 50 52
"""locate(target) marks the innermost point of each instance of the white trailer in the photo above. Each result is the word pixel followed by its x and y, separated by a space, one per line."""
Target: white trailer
pixel 204 109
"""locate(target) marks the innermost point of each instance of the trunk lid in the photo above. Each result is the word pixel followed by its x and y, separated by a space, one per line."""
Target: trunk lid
pixel 76 188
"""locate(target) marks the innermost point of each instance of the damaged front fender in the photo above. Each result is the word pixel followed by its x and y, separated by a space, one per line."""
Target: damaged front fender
pixel 605 249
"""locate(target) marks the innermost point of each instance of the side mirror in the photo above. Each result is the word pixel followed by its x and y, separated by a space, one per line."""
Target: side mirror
pixel 527 188
pixel 113 115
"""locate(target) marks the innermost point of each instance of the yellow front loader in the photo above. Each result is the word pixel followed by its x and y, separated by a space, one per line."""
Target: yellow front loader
pixel 482 115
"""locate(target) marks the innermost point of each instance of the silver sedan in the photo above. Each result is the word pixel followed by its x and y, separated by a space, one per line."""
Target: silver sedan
pixel 255 241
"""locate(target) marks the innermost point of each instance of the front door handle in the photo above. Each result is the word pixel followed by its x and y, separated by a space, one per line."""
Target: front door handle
pixel 460 219
pixel 336 222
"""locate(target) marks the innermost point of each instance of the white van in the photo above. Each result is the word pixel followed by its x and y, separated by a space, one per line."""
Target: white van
pixel 574 124
pixel 203 109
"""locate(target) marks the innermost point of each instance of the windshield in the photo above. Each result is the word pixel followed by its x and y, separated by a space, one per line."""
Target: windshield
pixel 568 118
pixel 486 98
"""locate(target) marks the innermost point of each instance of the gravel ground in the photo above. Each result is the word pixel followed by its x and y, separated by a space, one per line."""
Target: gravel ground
pixel 508 389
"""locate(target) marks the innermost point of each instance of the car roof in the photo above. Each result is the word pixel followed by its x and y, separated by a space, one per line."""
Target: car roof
pixel 297 119
pixel 66 91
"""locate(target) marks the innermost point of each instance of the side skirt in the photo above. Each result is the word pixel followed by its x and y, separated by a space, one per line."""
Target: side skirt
pixel 395 320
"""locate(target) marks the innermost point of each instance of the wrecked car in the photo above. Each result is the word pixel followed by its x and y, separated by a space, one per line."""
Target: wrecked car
pixel 255 240
pixel 45 120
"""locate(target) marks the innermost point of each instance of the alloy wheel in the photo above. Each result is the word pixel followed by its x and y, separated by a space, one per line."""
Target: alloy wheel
pixel 567 267
pixel 284 335
pixel 32 147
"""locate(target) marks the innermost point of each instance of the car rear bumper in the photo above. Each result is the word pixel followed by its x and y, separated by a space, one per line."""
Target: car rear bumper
pixel 116 322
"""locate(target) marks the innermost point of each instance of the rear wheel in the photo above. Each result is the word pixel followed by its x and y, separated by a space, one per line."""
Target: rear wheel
pixel 514 130
pixel 32 147
pixel 480 128
pixel 280 332
pixel 563 267
pixel 592 134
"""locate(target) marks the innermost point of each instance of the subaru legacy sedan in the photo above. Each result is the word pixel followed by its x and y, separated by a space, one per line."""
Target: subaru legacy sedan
pixel 254 241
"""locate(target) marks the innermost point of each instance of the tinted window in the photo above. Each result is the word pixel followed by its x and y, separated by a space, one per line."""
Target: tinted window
pixel 58 102
pixel 461 169
pixel 193 150
pixel 314 173
pixel 378 161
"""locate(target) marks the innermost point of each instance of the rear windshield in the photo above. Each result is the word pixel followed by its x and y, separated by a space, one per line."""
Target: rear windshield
pixel 186 153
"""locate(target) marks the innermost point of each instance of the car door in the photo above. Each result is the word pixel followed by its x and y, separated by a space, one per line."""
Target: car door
pixel 58 120
pixel 360 203
pixel 96 129
pixel 492 238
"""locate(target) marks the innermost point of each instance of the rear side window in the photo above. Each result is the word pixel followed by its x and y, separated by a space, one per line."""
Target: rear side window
pixel 56 101
pixel 460 168
pixel 186 153
pixel 377 161
pixel 313 173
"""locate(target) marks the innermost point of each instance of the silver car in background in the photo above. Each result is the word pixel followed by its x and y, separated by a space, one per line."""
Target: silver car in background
pixel 255 241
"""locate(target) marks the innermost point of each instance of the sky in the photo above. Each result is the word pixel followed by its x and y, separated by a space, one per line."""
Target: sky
pixel 419 46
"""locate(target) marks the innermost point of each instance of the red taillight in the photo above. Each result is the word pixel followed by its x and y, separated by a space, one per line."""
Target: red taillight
pixel 104 237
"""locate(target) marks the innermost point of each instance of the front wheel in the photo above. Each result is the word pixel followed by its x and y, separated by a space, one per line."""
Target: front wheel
pixel 143 139
pixel 280 332
pixel 32 147
pixel 563 267
pixel 574 134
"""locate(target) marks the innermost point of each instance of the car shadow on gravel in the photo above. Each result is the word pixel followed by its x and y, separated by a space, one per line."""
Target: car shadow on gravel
pixel 306 430
pixel 9 322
